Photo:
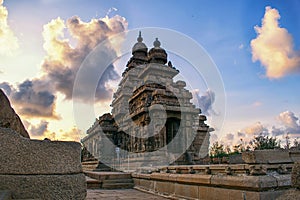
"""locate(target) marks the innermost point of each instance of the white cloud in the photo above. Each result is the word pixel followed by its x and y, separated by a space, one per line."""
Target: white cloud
pixel 274 47
pixel 63 61
pixel 256 129
pixel 37 97
pixel 205 101
pixel 290 122
pixel 8 41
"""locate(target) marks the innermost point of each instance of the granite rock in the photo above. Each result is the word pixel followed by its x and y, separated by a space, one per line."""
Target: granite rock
pixel 296 175
pixel 21 155
pixel 46 187
pixel 8 117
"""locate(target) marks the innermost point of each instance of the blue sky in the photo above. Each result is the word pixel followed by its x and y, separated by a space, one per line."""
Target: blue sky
pixel 224 29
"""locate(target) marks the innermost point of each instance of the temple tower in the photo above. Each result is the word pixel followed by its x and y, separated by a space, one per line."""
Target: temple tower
pixel 152 113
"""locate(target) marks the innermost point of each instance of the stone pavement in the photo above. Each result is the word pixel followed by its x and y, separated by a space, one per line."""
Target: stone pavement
pixel 126 194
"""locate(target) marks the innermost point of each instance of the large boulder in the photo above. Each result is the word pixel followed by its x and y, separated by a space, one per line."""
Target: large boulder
pixel 8 117
pixel 40 169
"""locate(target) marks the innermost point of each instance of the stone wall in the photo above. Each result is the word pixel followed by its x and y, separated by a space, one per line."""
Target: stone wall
pixel 40 169
pixel 215 182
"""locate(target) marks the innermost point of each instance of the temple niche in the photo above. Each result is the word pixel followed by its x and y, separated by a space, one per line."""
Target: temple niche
pixel 153 121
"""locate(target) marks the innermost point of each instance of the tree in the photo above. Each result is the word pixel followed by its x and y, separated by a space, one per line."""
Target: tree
pixel 217 150
pixel 264 142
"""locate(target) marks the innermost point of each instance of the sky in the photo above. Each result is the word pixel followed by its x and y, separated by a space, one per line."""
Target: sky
pixel 255 46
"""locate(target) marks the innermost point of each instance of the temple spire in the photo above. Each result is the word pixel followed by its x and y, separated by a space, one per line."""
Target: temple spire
pixel 156 43
pixel 140 39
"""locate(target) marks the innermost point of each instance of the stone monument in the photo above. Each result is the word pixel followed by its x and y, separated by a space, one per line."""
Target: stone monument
pixel 152 116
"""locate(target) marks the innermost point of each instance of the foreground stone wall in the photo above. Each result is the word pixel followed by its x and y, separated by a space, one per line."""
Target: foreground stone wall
pixel 40 169
pixel 215 182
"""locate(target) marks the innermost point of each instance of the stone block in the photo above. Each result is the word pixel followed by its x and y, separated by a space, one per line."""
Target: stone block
pixel 46 187
pixel 160 176
pixel 290 194
pixel 257 183
pixel 187 191
pixel 283 180
pixel 266 195
pixel 136 182
pixel 236 159
pixel 21 155
pixel 147 184
pixel 296 175
pixel 295 156
pixel 268 156
pixel 226 194
pixel 193 178
pixel 5 195
pixel 165 188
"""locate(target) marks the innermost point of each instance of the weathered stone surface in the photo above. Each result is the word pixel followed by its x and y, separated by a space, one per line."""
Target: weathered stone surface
pixel 252 182
pixel 267 156
pixel 5 195
pixel 187 191
pixel 291 194
pixel 193 178
pixel 128 194
pixel 71 186
pixel 295 155
pixel 236 159
pixel 21 155
pixel 165 188
pixel 8 117
pixel 296 175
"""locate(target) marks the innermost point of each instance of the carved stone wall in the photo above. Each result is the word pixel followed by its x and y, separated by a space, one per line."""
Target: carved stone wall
pixel 151 112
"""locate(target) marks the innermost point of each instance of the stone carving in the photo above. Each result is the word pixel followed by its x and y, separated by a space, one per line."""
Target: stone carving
pixel 257 170
pixel 8 117
pixel 228 171
pixel 207 170
pixel 147 87
pixel 282 169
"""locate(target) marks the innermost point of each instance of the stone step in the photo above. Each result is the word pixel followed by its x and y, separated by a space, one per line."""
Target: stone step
pixel 5 195
pixel 117 185
pixel 93 183
pixel 127 180
pixel 107 175
pixel 110 180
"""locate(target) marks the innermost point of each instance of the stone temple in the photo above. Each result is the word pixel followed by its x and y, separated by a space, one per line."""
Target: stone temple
pixel 153 121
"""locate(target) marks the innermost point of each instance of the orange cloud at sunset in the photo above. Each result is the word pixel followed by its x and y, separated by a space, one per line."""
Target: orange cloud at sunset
pixel 274 48
pixel 66 43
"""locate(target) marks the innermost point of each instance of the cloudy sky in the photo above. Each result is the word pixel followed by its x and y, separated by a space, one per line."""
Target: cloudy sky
pixel 254 44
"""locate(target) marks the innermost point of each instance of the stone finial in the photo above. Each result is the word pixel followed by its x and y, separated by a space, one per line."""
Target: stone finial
pixel 207 170
pixel 140 39
pixel 228 170
pixel 261 170
pixel 156 43
pixel 191 170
